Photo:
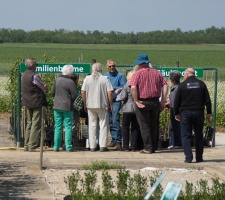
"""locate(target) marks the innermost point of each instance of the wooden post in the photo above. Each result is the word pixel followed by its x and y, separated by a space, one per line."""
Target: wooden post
pixel 42 136
pixel 177 64
pixel 93 61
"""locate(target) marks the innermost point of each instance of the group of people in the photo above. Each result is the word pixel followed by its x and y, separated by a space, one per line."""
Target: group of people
pixel 140 97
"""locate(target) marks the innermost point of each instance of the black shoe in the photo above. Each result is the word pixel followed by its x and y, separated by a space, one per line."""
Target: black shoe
pixel 125 149
pixel 188 161
pixel 199 160
pixel 93 149
pixel 103 149
pixel 152 151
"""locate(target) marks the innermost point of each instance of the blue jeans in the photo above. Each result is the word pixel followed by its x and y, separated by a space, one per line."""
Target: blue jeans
pixel 114 122
pixel 188 120
pixel 60 117
pixel 176 132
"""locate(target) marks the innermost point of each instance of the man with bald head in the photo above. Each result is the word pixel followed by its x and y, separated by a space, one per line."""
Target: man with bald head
pixel 190 101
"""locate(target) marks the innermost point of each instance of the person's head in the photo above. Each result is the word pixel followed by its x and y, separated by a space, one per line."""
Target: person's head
pixel 31 63
pixel 96 70
pixel 175 76
pixel 142 60
pixel 189 72
pixel 129 75
pixel 136 68
pixel 68 70
pixel 75 78
pixel 111 66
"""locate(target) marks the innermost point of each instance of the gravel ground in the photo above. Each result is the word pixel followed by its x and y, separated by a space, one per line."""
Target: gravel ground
pixel 55 178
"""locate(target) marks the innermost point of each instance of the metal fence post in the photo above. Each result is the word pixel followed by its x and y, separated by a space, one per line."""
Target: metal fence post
pixel 42 136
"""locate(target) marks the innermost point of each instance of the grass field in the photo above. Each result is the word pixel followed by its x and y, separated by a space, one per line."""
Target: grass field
pixel 160 55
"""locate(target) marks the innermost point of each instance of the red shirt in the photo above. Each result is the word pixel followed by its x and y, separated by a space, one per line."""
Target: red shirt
pixel 149 83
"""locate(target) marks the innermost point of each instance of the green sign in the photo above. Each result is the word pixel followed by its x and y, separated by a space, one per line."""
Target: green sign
pixel 46 68
pixel 166 71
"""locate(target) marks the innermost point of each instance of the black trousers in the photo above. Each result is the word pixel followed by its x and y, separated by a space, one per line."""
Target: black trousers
pixel 148 120
pixel 130 127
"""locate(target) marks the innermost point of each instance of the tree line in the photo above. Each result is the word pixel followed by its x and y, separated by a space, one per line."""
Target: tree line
pixel 210 35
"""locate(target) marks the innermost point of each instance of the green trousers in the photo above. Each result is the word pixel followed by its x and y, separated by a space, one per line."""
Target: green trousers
pixel 33 128
pixel 63 117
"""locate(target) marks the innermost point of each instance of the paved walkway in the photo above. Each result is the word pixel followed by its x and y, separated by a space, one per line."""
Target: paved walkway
pixel 21 177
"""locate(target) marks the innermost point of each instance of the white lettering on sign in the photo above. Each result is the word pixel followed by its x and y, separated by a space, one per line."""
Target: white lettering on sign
pixel 78 69
pixel 47 68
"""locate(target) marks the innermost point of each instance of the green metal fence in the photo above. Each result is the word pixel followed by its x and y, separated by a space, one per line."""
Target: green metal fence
pixel 208 75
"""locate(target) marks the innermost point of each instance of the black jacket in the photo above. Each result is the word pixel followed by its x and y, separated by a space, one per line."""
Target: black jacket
pixel 192 94
pixel 32 96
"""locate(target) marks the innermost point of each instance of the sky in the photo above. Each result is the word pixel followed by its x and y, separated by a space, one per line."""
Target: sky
pixel 112 15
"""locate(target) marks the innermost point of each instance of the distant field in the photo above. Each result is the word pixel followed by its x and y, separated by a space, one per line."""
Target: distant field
pixel 160 55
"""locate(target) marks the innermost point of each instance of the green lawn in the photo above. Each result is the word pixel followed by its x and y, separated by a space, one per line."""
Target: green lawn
pixel 160 55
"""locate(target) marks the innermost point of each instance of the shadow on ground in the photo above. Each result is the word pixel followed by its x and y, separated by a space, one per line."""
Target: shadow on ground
pixel 13 183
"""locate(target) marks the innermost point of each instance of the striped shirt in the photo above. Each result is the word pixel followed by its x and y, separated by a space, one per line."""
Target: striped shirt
pixel 39 83
pixel 149 83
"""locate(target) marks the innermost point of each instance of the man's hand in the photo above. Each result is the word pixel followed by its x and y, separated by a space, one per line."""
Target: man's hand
pixel 177 117
pixel 162 105
pixel 110 108
pixel 140 104
pixel 117 91
pixel 208 117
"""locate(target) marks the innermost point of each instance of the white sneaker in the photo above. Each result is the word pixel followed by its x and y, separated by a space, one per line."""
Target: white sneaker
pixel 175 147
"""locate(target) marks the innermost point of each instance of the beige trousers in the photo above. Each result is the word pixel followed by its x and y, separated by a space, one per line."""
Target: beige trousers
pixel 96 115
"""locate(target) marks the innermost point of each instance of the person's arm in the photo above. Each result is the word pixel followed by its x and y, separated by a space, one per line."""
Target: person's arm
pixel 83 94
pixel 39 83
pixel 135 97
pixel 110 97
pixel 73 91
pixel 177 103
pixel 110 94
pixel 53 89
pixel 164 96
pixel 208 105
pixel 124 93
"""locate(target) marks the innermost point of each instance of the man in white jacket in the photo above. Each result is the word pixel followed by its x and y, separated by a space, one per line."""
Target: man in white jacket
pixel 97 98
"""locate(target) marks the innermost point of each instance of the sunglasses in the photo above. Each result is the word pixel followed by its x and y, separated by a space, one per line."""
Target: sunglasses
pixel 112 66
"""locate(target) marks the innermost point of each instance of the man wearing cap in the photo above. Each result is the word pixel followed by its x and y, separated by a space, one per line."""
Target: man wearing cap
pixel 147 86
pixel 118 81
pixel 190 101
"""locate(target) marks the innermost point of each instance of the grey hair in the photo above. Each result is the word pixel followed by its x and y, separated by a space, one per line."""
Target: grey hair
pixel 129 75
pixel 175 76
pixel 96 70
pixel 67 70
pixel 30 63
